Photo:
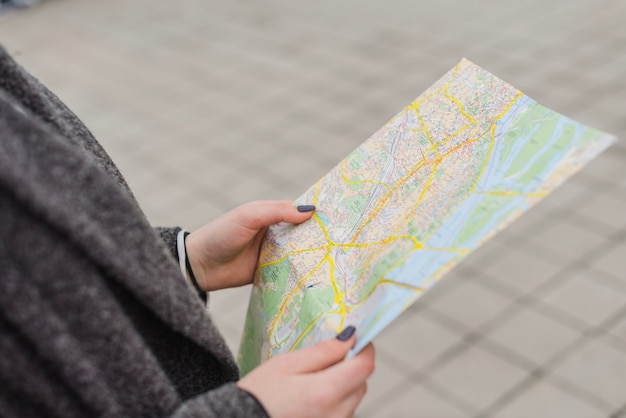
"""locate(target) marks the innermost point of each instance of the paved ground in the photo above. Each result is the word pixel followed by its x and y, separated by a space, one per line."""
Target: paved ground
pixel 208 104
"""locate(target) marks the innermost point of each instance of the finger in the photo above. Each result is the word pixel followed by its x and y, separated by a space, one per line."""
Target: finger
pixel 319 356
pixel 350 403
pixel 349 375
pixel 257 215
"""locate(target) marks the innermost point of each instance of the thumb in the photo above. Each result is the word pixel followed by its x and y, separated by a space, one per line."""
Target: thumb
pixel 260 214
pixel 323 354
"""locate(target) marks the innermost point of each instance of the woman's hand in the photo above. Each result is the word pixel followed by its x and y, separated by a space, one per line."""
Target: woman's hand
pixel 312 382
pixel 225 252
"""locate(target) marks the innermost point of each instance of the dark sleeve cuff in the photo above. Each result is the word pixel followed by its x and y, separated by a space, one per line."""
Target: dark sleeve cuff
pixel 168 235
pixel 170 238
pixel 228 401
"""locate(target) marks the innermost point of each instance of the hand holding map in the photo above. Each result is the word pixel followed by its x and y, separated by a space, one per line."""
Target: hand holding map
pixel 462 161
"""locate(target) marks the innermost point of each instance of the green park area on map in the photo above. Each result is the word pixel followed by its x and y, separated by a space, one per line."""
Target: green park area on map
pixel 458 164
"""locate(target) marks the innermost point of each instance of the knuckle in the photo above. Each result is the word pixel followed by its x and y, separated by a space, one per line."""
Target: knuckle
pixel 363 390
pixel 321 397
pixel 328 349
pixel 368 365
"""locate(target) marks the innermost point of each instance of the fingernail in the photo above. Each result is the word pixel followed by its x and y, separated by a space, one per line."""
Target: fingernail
pixel 346 333
pixel 305 208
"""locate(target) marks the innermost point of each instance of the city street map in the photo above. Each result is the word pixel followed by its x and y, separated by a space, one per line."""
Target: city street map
pixel 453 168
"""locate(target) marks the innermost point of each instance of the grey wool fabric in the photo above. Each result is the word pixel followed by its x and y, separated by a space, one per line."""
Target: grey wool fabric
pixel 96 319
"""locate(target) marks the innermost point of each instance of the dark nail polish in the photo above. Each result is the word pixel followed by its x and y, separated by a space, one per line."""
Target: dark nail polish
pixel 305 208
pixel 346 333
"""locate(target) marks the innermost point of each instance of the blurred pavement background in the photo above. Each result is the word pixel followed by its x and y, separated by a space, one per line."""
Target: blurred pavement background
pixel 208 104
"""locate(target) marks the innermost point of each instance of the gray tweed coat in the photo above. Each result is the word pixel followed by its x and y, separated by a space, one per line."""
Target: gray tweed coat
pixel 95 317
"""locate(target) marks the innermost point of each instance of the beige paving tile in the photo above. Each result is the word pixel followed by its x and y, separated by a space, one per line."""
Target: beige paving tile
pixel 192 217
pixel 544 398
pixel 222 301
pixel 451 280
pixel 565 239
pixel 470 304
pixel 478 377
pixel 246 187
pixel 533 336
pixel 384 379
pixel 232 324
pixel 607 209
pixel 521 271
pixel 489 251
pixel 619 330
pixel 613 262
pixel 231 334
pixel 227 308
pixel 609 166
pixel 163 206
pixel 598 369
pixel 298 165
pixel 415 340
pixel 589 301
pixel 563 197
pixel 412 402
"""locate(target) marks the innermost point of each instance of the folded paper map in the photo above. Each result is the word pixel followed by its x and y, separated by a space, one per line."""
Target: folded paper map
pixel 454 167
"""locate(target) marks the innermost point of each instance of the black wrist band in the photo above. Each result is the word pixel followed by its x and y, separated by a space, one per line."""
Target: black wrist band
pixel 188 265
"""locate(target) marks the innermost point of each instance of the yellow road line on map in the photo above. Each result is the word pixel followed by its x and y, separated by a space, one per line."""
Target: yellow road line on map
pixel 437 162
pixel 400 284
pixel 308 328
pixel 436 91
pixel 333 245
pixel 338 295
pixel 455 133
pixel 492 141
pixel 416 245
pixel 439 158
pixel 402 180
pixel 421 119
pixel 291 293
pixel 472 121
pixel 382 241
pixel 454 99
pixel 439 272
pixel 316 190
pixel 345 178
pixel 381 203
pixel 288 254
pixel 507 107
pixel 396 264
pixel 423 99
pixel 453 149
pixel 391 268
pixel 510 194
pixel 414 106
pixel 365 266
pixel 447 249
pixel 316 218
pixel 431 175
pixel 386 282
pixel 492 131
